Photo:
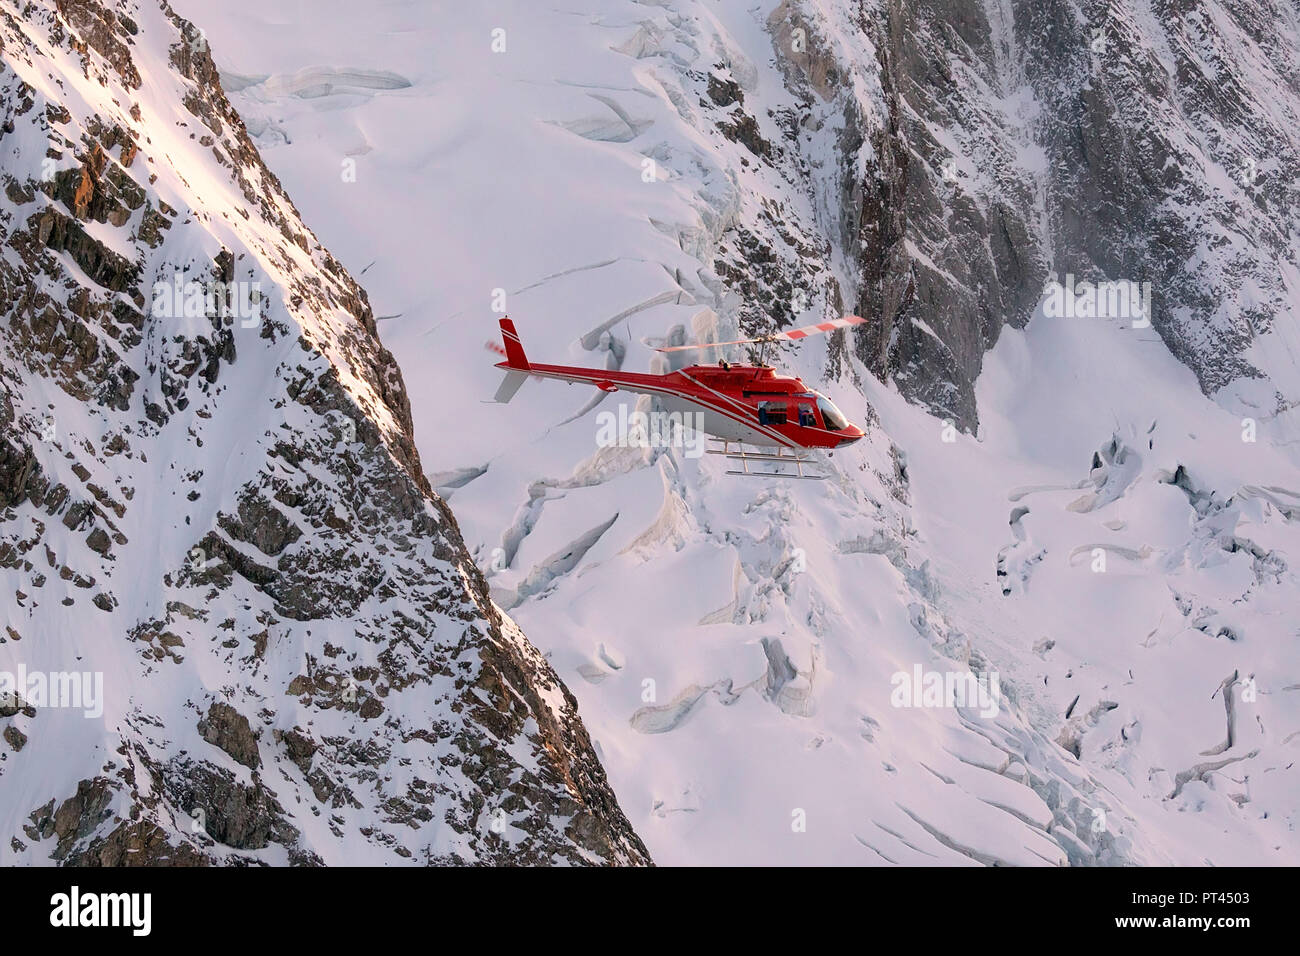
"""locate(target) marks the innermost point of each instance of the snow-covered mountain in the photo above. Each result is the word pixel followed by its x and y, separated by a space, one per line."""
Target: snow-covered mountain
pixel 1137 142
pixel 239 625
pixel 1095 514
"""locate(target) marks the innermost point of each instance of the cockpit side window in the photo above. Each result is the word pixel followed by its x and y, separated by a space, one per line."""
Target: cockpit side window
pixel 832 416
pixel 771 413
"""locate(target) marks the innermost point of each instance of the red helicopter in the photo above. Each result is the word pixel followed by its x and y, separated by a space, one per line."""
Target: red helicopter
pixel 737 404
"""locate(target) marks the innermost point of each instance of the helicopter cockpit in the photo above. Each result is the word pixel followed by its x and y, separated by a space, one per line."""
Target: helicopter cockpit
pixel 832 416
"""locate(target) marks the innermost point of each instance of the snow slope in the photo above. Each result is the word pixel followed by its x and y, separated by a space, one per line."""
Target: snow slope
pixel 619 171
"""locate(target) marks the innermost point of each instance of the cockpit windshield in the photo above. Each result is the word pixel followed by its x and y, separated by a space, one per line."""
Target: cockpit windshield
pixel 831 415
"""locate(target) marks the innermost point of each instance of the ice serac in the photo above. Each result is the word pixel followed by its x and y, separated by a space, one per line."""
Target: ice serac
pixel 213 505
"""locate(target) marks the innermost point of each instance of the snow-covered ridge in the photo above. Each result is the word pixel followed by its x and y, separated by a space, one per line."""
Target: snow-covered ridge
pixel 211 504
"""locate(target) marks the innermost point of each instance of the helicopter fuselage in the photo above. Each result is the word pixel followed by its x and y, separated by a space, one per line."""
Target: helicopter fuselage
pixel 743 403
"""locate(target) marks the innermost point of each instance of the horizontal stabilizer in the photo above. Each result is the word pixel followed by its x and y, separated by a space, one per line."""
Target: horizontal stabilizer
pixel 509 385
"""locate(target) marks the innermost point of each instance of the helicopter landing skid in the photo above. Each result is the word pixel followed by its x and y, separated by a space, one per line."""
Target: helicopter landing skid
pixel 780 460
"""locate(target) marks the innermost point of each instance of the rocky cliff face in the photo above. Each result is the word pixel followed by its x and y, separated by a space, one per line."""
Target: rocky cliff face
pixel 212 508
pixel 1173 157
pixel 989 147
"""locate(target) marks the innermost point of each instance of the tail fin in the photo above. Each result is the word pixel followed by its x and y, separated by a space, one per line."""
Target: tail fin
pixel 515 357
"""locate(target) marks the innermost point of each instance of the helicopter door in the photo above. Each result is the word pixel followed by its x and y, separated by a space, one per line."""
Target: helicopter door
pixel 807 417
pixel 771 413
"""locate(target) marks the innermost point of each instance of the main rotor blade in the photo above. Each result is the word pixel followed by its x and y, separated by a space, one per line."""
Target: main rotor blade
pixel 788 335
